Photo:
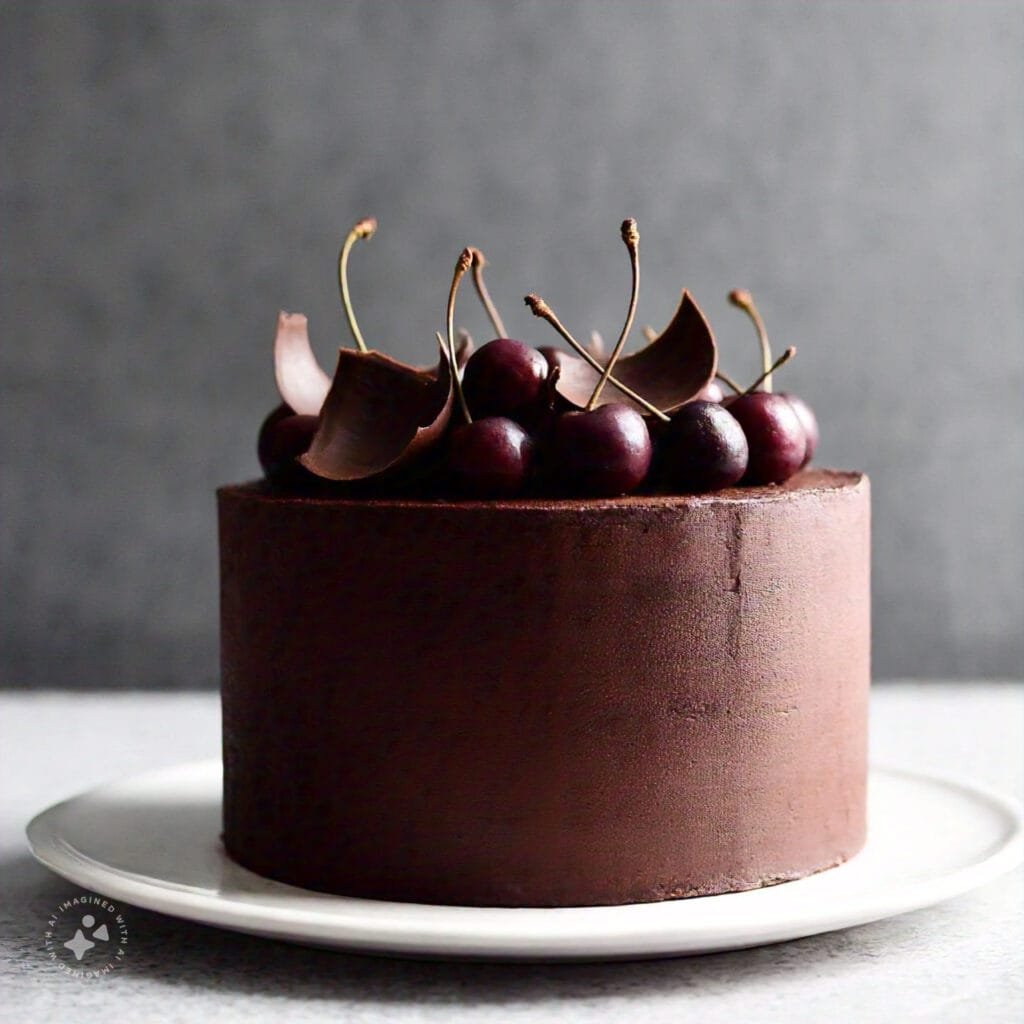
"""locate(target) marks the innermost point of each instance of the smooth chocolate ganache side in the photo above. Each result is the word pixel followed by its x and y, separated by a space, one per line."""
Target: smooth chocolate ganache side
pixel 546 703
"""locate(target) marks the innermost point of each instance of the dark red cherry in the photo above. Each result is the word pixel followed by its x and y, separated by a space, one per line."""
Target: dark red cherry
pixel 711 392
pixel 284 436
pixel 490 457
pixel 503 378
pixel 704 448
pixel 775 436
pixel 604 452
pixel 808 421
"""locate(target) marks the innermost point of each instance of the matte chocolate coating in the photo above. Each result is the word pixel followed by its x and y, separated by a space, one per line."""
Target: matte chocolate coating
pixel 546 703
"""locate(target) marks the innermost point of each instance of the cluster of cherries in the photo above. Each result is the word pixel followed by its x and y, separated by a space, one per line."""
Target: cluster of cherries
pixel 513 433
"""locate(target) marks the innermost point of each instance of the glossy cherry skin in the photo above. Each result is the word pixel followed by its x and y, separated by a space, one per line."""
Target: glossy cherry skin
pixel 704 448
pixel 775 436
pixel 711 392
pixel 809 422
pixel 601 453
pixel 284 436
pixel 490 457
pixel 503 378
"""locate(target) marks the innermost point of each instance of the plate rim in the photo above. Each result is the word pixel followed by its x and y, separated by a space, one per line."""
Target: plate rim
pixel 426 930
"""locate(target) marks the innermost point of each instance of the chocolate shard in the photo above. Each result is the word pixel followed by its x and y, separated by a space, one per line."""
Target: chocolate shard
pixel 379 415
pixel 302 383
pixel 463 350
pixel 669 371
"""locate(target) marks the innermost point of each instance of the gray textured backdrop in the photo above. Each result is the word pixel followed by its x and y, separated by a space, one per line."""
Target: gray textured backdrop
pixel 173 173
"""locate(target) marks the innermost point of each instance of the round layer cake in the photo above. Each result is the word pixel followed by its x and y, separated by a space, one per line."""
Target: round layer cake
pixel 546 703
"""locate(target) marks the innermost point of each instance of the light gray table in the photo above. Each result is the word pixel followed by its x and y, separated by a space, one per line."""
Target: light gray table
pixel 958 962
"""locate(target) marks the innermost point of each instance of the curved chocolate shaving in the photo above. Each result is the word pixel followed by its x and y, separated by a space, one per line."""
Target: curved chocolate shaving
pixel 463 347
pixel 463 350
pixel 378 415
pixel 303 385
pixel 669 371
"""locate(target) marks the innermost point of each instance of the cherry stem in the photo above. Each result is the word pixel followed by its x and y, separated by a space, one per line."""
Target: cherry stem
pixel 461 266
pixel 366 228
pixel 649 333
pixel 541 309
pixel 781 361
pixel 485 296
pixel 596 344
pixel 729 382
pixel 744 300
pixel 631 237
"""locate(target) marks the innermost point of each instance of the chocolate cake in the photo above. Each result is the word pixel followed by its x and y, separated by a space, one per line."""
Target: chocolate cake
pixel 607 650
pixel 546 703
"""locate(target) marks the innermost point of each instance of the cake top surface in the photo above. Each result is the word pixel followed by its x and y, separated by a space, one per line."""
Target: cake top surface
pixel 806 482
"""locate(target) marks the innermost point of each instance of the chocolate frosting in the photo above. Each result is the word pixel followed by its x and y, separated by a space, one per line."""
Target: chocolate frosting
pixel 546 703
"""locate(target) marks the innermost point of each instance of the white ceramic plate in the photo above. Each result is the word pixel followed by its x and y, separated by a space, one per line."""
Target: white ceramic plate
pixel 153 841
